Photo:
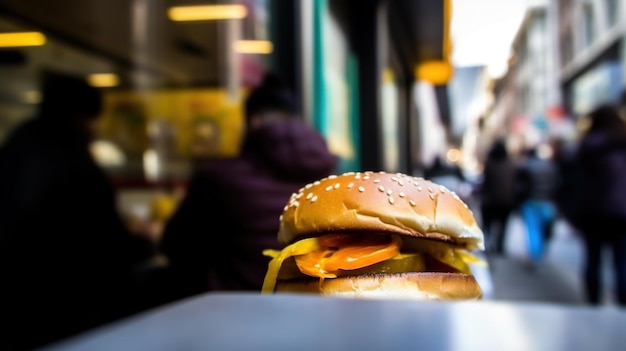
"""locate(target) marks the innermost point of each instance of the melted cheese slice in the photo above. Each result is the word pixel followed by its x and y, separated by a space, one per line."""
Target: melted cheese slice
pixel 301 247
pixel 331 255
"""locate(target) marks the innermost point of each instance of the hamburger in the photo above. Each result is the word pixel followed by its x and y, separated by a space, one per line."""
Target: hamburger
pixel 376 235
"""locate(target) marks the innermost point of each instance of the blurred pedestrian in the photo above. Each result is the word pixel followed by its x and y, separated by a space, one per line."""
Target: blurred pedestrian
pixel 66 258
pixel 564 157
pixel 537 180
pixel 600 197
pixel 497 195
pixel 231 211
pixel 449 175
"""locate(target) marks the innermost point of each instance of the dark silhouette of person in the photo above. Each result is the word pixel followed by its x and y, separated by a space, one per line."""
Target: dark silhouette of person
pixel 66 258
pixel 564 157
pixel 599 193
pixel 231 212
pixel 449 175
pixel 441 168
pixel 497 195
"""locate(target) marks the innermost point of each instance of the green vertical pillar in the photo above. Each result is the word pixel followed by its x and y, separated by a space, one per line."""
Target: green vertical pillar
pixel 319 87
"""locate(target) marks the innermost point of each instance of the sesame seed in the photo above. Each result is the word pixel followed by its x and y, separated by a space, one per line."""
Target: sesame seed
pixel 280 218
pixel 308 186
pixel 400 182
pixel 317 182
pixel 432 197
pixel 419 188
pixel 314 198
pixel 394 179
pixel 430 190
pixel 366 177
pixel 376 180
pixel 299 195
pixel 357 176
pixel 389 192
pixel 381 188
pixel 391 200
pixel 382 172
pixel 442 188
pixel 332 176
pixel 337 185
pixel 329 188
pixel 309 196
pixel 412 202
pixel 361 189
pixel 285 208
pixel 295 204
pixel 350 185
pixel 401 194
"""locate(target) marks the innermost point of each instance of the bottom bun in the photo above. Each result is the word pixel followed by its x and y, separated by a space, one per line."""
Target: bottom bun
pixel 414 286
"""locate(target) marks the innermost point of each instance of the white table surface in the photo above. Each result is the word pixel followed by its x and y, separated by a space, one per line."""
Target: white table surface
pixel 299 322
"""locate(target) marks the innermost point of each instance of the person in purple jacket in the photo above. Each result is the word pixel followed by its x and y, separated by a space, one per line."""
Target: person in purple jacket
pixel 599 194
pixel 214 241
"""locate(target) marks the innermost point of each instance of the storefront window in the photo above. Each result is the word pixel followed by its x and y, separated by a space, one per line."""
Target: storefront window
pixel 612 10
pixel 600 84
pixel 173 84
pixel 588 25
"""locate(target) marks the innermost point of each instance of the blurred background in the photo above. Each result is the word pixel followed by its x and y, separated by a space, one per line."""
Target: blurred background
pixel 392 85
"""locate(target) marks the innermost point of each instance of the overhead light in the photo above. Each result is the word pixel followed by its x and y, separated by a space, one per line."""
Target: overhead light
pixel 107 153
pixel 103 80
pixel 207 12
pixel 151 165
pixel 435 72
pixel 388 76
pixel 19 39
pixel 253 46
pixel 32 97
pixel 454 155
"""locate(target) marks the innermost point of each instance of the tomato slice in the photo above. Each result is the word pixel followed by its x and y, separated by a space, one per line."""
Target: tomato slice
pixel 346 252
pixel 355 257
pixel 313 264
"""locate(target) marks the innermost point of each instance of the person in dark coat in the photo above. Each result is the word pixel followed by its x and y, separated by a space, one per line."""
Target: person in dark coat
pixel 600 196
pixel 66 258
pixel 231 212
pixel 497 195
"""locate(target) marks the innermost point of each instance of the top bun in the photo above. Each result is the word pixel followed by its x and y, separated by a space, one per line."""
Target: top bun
pixel 377 201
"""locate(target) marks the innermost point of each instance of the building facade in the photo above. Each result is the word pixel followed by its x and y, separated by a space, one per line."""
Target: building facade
pixel 592 66
pixel 567 57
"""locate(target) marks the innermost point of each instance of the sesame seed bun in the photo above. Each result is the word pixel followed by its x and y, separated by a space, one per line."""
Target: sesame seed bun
pixel 411 286
pixel 380 202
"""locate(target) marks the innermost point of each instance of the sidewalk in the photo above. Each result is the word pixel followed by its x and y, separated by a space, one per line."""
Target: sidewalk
pixel 556 280
pixel 515 280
